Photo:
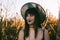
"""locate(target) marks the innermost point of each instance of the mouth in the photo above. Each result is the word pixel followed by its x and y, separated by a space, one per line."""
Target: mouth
pixel 29 20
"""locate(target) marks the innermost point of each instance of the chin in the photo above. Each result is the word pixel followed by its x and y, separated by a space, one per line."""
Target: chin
pixel 30 23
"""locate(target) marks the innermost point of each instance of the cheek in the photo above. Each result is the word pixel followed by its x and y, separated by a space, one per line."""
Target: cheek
pixel 26 18
pixel 33 19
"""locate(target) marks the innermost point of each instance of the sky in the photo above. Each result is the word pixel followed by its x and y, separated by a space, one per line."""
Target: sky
pixel 14 6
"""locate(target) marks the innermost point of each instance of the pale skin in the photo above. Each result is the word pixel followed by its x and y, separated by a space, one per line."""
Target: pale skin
pixel 30 20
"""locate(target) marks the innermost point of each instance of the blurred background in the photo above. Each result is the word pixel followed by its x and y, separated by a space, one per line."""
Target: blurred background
pixel 11 21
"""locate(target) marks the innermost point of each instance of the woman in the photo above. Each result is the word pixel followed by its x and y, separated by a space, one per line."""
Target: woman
pixel 34 16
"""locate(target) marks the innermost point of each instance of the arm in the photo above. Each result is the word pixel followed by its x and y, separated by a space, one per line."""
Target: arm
pixel 21 35
pixel 46 35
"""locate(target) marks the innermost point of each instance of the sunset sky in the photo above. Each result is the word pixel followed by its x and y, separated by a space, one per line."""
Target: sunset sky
pixel 14 6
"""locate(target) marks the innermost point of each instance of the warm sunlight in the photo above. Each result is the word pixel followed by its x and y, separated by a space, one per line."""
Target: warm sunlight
pixel 14 6
pixel 11 20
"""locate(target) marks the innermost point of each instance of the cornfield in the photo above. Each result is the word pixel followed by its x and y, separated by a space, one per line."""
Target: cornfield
pixel 9 30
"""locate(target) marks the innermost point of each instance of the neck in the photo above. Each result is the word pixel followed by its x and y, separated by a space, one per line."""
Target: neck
pixel 31 26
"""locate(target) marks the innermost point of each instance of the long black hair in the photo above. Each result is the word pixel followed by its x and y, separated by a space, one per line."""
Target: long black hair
pixel 37 22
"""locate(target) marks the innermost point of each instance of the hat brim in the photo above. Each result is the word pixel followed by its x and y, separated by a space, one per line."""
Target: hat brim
pixel 32 5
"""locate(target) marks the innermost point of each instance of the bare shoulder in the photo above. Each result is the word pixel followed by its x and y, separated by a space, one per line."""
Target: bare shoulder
pixel 46 30
pixel 40 29
pixel 46 34
pixel 21 32
pixel 21 35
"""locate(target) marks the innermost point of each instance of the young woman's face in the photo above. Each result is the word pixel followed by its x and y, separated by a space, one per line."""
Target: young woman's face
pixel 30 19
